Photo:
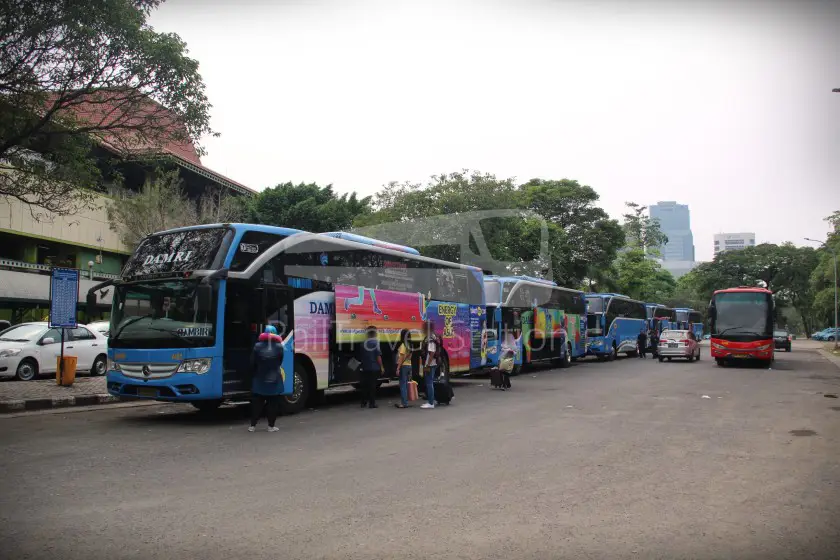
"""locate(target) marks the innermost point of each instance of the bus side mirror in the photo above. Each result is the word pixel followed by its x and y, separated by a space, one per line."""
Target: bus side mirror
pixel 204 298
pixel 90 304
pixel 712 312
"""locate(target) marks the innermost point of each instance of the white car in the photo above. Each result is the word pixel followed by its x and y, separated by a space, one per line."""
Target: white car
pixel 30 349
pixel 100 326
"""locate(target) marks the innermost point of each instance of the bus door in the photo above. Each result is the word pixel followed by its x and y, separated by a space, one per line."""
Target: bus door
pixel 511 333
pixel 278 310
pixel 492 335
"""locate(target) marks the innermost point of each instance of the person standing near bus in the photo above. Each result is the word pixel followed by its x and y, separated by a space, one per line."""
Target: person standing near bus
pixel 404 356
pixel 370 356
pixel 266 361
pixel 641 341
pixel 430 367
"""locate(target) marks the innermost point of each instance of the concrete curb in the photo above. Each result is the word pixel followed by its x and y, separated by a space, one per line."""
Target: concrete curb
pixel 830 357
pixel 56 402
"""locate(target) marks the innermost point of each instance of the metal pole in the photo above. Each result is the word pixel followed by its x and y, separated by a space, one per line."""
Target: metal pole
pixel 836 332
pixel 61 361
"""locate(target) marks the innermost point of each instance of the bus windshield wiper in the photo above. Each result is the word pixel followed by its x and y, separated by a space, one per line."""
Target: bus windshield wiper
pixel 129 322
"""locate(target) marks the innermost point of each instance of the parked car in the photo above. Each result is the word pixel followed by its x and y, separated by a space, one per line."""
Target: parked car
pixel 781 340
pixel 100 326
pixel 678 344
pixel 828 334
pixel 30 349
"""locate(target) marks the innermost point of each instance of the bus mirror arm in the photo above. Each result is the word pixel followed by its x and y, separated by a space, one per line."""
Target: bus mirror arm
pixel 90 299
pixel 204 291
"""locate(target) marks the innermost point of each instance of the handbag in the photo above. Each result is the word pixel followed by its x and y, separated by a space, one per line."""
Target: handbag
pixel 413 394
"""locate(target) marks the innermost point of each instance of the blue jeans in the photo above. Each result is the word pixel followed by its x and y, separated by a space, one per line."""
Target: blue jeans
pixel 430 384
pixel 405 376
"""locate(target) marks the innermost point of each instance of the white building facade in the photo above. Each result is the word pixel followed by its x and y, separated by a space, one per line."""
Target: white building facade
pixel 733 241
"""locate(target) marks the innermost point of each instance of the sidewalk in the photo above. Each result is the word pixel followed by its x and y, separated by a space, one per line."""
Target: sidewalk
pixel 16 396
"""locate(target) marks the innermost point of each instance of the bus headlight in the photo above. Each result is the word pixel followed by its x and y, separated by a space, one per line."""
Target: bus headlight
pixel 764 347
pixel 199 365
pixel 113 366
pixel 717 346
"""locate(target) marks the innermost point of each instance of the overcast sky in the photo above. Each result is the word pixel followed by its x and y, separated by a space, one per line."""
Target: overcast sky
pixel 724 106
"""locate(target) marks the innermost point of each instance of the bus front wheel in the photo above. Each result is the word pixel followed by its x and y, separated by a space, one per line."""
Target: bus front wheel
pixel 294 403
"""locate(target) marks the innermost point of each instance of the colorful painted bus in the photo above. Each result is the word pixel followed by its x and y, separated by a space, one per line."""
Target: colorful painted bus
pixel 741 322
pixel 191 301
pixel 536 318
pixel 689 319
pixel 613 324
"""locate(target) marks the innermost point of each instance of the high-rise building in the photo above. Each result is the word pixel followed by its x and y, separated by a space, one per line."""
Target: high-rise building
pixel 733 241
pixel 675 222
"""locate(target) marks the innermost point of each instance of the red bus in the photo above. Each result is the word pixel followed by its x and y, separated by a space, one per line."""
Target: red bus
pixel 742 325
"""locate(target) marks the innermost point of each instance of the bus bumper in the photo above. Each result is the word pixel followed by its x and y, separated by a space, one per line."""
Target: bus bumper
pixel 178 387
pixel 762 352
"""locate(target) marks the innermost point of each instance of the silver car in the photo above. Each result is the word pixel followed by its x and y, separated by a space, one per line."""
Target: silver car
pixel 678 344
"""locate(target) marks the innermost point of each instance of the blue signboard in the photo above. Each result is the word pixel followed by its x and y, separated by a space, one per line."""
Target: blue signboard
pixel 64 297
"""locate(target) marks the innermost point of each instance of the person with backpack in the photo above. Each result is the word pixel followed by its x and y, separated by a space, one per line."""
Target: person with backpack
pixel 370 357
pixel 267 383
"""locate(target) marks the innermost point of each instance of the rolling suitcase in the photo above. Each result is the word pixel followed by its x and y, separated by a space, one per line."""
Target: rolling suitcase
pixel 443 391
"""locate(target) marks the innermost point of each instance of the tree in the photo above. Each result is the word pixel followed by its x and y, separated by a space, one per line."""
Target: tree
pixel 580 235
pixel 642 278
pixel 74 75
pixel 306 206
pixel 822 277
pixel 641 230
pixel 162 204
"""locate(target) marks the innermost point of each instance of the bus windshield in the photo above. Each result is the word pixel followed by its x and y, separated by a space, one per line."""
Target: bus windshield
pixel 743 314
pixel 160 314
pixel 596 305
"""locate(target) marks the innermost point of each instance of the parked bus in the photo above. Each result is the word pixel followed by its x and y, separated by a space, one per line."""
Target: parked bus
pixel 742 325
pixel 660 318
pixel 536 318
pixel 690 320
pixel 191 301
pixel 614 322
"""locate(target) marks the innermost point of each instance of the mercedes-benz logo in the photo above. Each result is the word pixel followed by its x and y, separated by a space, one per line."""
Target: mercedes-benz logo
pixel 147 371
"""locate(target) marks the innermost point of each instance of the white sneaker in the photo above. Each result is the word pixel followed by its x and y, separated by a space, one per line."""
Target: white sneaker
pixel 273 429
pixel 427 405
pixel 252 428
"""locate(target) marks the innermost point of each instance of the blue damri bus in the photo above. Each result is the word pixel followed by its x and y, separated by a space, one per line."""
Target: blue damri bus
pixel 537 319
pixel 689 319
pixel 613 324
pixel 660 317
pixel 191 302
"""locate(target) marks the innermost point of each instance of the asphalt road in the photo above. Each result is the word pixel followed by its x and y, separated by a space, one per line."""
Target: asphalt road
pixel 603 460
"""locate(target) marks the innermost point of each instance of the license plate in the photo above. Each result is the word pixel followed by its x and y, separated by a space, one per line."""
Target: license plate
pixel 147 392
pixel 672 345
pixel 740 355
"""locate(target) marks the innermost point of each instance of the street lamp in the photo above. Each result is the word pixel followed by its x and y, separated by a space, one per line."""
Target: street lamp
pixel 833 254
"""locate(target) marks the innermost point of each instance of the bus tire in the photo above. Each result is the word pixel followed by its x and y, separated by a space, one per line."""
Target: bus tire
pixel 207 407
pixel 720 362
pixel 294 403
pixel 566 361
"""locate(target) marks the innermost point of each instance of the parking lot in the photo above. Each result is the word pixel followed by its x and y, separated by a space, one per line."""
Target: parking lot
pixel 628 459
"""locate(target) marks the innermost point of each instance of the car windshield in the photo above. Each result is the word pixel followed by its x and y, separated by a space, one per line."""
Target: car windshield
pixel 23 333
pixel 160 314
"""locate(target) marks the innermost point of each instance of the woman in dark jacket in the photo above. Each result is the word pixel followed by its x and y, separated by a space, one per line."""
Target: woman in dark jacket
pixel 266 360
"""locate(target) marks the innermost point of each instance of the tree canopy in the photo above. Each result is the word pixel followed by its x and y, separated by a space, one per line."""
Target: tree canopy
pixel 305 206
pixel 510 220
pixel 76 75
pixel 163 204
